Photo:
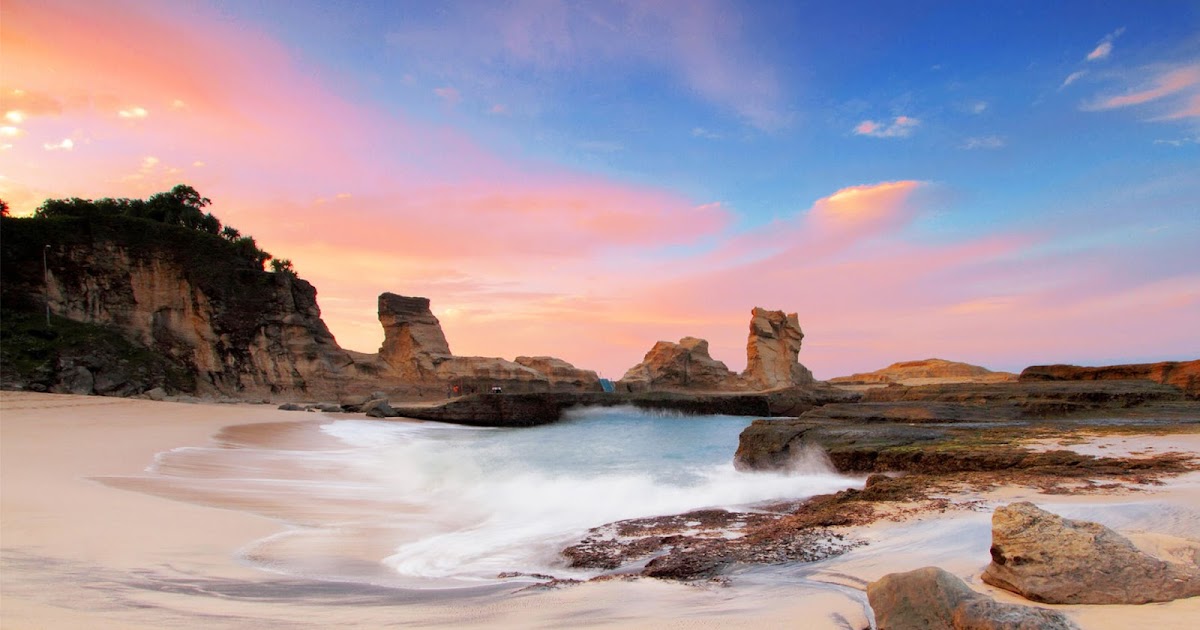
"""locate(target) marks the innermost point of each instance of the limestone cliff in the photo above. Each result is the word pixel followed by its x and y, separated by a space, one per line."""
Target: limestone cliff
pixel 231 326
pixel 413 342
pixel 771 361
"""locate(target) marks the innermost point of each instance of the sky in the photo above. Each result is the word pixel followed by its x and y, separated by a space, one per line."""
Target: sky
pixel 1001 183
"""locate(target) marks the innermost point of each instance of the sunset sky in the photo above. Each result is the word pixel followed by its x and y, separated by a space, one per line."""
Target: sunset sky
pixel 1002 183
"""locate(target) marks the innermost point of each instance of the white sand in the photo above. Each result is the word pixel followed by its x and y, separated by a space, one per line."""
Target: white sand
pixel 77 553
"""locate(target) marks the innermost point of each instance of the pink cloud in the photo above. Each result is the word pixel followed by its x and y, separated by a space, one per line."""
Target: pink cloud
pixel 900 127
pixel 1163 85
pixel 449 95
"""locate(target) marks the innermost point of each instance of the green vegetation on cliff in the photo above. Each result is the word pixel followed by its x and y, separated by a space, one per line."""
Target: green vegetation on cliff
pixel 80 256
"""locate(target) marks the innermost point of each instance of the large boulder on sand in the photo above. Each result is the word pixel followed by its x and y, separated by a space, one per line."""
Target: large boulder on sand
pixel 683 365
pixel 1047 558
pixel 772 350
pixel 933 599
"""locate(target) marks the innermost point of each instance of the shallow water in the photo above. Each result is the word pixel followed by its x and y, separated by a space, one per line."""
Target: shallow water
pixel 432 506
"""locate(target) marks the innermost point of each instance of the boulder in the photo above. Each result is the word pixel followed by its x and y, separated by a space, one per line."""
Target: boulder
pixel 933 599
pixel 413 342
pixel 378 408
pixel 1182 374
pixel 683 365
pixel 75 380
pixel 1047 558
pixel 290 407
pixel 772 349
pixel 157 393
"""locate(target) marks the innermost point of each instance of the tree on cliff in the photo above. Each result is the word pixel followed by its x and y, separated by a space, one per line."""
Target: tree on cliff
pixel 182 206
pixel 3 208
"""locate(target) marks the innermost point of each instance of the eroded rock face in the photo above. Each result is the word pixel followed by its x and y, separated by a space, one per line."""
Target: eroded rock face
pixel 1047 558
pixel 934 599
pixel 562 376
pixel 258 332
pixel 1182 374
pixel 772 350
pixel 413 341
pixel 683 365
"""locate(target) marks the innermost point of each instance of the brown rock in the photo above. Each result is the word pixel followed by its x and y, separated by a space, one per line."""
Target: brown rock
pixel 562 376
pixel 683 365
pixel 1047 558
pixel 933 599
pixel 915 372
pixel 1182 374
pixel 413 342
pixel 772 349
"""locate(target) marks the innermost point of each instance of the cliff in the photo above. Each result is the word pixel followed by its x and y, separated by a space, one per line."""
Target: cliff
pixel 187 299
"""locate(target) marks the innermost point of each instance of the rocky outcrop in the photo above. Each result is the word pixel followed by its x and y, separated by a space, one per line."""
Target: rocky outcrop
pixel 1047 558
pixel 771 361
pixel 934 599
pixel 772 351
pixel 683 365
pixel 562 376
pixel 413 342
pixel 1182 374
pixel 416 353
pixel 925 371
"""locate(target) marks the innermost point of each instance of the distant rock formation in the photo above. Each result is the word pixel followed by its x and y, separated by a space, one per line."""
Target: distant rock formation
pixel 683 365
pixel 926 371
pixel 1047 558
pixel 1182 374
pixel 771 361
pixel 772 351
pixel 934 598
pixel 417 353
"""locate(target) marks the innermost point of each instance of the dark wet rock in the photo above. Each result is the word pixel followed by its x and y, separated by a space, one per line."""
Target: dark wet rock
pixel 379 409
pixel 75 380
pixel 933 599
pixel 290 407
pixel 1047 558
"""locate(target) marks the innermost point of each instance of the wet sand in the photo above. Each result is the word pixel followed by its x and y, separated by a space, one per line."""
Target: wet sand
pixel 88 541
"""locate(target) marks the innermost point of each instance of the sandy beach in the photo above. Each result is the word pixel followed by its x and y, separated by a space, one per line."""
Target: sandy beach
pixel 79 551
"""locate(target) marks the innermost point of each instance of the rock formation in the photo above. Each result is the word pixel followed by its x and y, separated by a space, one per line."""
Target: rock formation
pixel 772 350
pixel 413 342
pixel 771 361
pixel 934 599
pixel 226 324
pixel 416 352
pixel 926 371
pixel 1047 558
pixel 1182 374
pixel 683 365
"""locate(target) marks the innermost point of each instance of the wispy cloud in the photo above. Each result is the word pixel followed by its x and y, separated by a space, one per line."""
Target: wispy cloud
pixel 1164 86
pixel 449 95
pixel 900 127
pixel 701 132
pixel 133 113
pixel 65 145
pixel 984 142
pixel 1105 47
pixel 601 146
pixel 1073 77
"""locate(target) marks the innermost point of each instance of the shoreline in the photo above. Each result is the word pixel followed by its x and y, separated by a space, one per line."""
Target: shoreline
pixel 122 559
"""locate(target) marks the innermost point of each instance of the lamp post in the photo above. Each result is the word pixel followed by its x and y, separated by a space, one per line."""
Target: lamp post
pixel 46 277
